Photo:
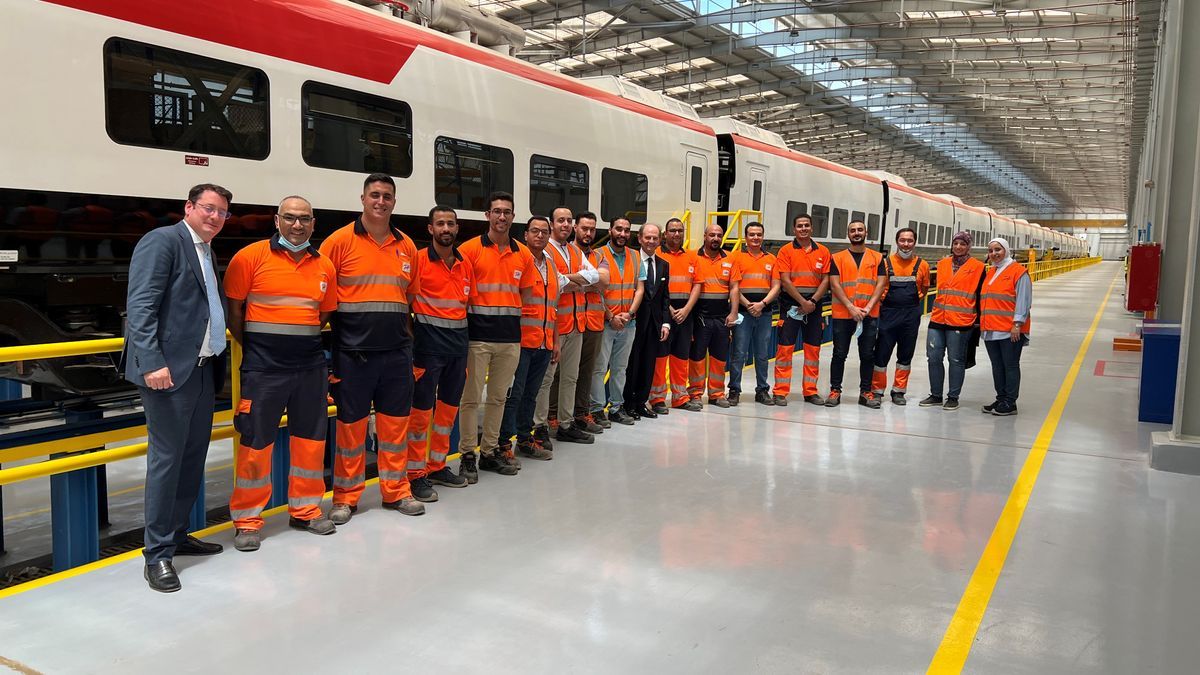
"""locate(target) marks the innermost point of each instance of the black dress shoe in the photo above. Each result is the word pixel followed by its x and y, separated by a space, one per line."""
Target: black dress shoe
pixel 193 546
pixel 163 577
pixel 647 413
pixel 632 412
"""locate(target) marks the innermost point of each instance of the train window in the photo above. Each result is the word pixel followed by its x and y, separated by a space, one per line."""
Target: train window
pixel 465 172
pixel 623 194
pixel 793 209
pixel 945 235
pixel 922 232
pixel 820 215
pixel 162 98
pixel 351 131
pixel 756 198
pixel 696 191
pixel 840 218
pixel 872 226
pixel 557 182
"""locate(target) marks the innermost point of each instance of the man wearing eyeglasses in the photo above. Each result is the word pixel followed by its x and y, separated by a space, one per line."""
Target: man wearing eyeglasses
pixel 176 362
pixel 281 292
pixel 372 351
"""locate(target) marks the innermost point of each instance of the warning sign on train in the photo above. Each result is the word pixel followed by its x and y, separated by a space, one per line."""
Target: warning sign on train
pixel 8 256
pixel 195 160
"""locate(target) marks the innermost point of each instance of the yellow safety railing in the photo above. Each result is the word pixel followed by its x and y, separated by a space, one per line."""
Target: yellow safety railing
pixel 735 229
pixel 1044 269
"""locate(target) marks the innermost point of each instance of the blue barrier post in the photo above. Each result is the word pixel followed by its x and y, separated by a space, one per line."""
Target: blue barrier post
pixel 281 462
pixel 10 390
pixel 74 510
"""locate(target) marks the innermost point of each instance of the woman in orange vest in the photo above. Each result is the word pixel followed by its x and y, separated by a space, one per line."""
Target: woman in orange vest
pixel 1004 322
pixel 955 312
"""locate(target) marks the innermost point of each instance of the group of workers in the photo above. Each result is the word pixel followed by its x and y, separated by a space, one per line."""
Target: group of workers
pixel 527 344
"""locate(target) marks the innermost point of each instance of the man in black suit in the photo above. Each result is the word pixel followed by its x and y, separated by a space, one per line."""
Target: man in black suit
pixel 174 340
pixel 652 325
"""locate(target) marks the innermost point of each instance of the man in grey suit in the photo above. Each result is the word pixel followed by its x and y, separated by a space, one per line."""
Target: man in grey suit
pixel 174 340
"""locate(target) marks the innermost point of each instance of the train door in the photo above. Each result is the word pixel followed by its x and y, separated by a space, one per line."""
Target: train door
pixel 758 192
pixel 695 189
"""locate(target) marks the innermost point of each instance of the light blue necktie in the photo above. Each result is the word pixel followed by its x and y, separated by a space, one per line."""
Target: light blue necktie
pixel 216 313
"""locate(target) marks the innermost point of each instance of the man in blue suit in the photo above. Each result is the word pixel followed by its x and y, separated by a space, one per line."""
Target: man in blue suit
pixel 174 341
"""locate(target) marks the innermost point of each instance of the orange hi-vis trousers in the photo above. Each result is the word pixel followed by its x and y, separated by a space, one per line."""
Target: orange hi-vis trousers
pixel 813 332
pixel 264 397
pixel 676 352
pixel 360 379
pixel 710 351
pixel 438 389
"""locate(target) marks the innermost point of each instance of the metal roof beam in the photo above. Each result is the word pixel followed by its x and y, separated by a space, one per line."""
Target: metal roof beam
pixel 757 11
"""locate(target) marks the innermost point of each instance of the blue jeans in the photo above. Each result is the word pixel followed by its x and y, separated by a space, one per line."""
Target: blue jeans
pixel 522 396
pixel 939 343
pixel 752 332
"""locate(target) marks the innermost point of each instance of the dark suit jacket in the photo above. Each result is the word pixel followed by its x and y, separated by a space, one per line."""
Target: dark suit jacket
pixel 655 307
pixel 167 307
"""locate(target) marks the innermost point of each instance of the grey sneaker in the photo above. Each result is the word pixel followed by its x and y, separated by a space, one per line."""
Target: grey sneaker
pixel 869 400
pixel 660 409
pixel 898 398
pixel 494 461
pixel 422 490
pixel 247 540
pixel 571 434
pixel 406 505
pixel 542 433
pixel 444 476
pixel 588 423
pixel 734 398
pixel 340 513
pixel 815 399
pixel 950 404
pixel 930 401
pixel 692 406
pixel 318 525
pixel 533 449
pixel 468 467
pixel 601 418
pixel 621 417
pixel 781 400
pixel 990 407
pixel 720 402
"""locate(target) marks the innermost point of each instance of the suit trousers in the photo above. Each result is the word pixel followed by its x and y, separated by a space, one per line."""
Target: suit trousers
pixel 179 426
pixel 640 370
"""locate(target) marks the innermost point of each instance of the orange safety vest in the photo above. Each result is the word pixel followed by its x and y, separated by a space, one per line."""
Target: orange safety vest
pixel 956 292
pixel 622 284
pixel 681 267
pixel 539 309
pixel 804 266
pixel 754 274
pixel 998 301
pixel 858 281
pixel 595 299
pixel 572 306
pixel 715 275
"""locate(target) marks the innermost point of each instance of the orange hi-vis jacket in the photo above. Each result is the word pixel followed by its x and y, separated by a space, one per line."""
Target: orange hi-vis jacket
pixel 804 266
pixel 715 275
pixel 858 281
pixel 595 299
pixel 622 282
pixel 372 287
pixel 572 307
pixel 284 300
pixel 754 273
pixel 539 307
pixel 494 308
pixel 681 267
pixel 957 292
pixel 438 295
pixel 998 301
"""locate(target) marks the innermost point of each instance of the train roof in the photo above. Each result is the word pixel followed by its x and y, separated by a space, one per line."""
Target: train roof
pixel 728 125
pixel 735 131
pixel 358 42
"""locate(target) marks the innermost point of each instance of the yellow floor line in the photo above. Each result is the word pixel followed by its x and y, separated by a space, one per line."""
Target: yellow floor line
pixel 956 644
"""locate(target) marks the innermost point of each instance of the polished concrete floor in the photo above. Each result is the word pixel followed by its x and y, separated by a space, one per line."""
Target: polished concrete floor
pixel 755 539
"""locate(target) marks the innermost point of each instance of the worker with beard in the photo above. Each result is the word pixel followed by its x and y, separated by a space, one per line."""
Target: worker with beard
pixel 683 292
pixel 622 297
pixel 857 276
pixel 716 315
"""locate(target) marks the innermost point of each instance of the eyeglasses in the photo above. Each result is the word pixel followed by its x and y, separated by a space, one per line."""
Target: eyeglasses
pixel 501 212
pixel 291 219
pixel 538 232
pixel 212 210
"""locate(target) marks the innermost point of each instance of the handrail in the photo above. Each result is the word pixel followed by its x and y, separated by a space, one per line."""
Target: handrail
pixel 737 222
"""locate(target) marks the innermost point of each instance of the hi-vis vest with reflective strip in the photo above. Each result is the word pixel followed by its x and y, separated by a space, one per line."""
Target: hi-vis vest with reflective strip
pixel 955 301
pixel 494 309
pixel 858 281
pixel 572 307
pixel 442 291
pixel 539 309
pixel 681 273
pixel 622 283
pixel 715 276
pixel 280 308
pixel 594 311
pixel 372 287
pixel 998 301
pixel 805 267
pixel 754 274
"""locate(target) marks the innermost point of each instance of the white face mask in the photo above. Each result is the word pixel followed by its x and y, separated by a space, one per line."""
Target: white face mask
pixel 294 248
pixel 906 255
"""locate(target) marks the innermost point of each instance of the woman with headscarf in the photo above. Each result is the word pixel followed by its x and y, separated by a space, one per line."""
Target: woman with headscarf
pixel 1004 321
pixel 955 312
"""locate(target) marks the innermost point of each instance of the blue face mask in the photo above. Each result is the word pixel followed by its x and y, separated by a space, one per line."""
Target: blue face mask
pixel 294 248
pixel 905 255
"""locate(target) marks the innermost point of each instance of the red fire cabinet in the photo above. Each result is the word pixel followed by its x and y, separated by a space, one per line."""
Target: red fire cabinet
pixel 1141 293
